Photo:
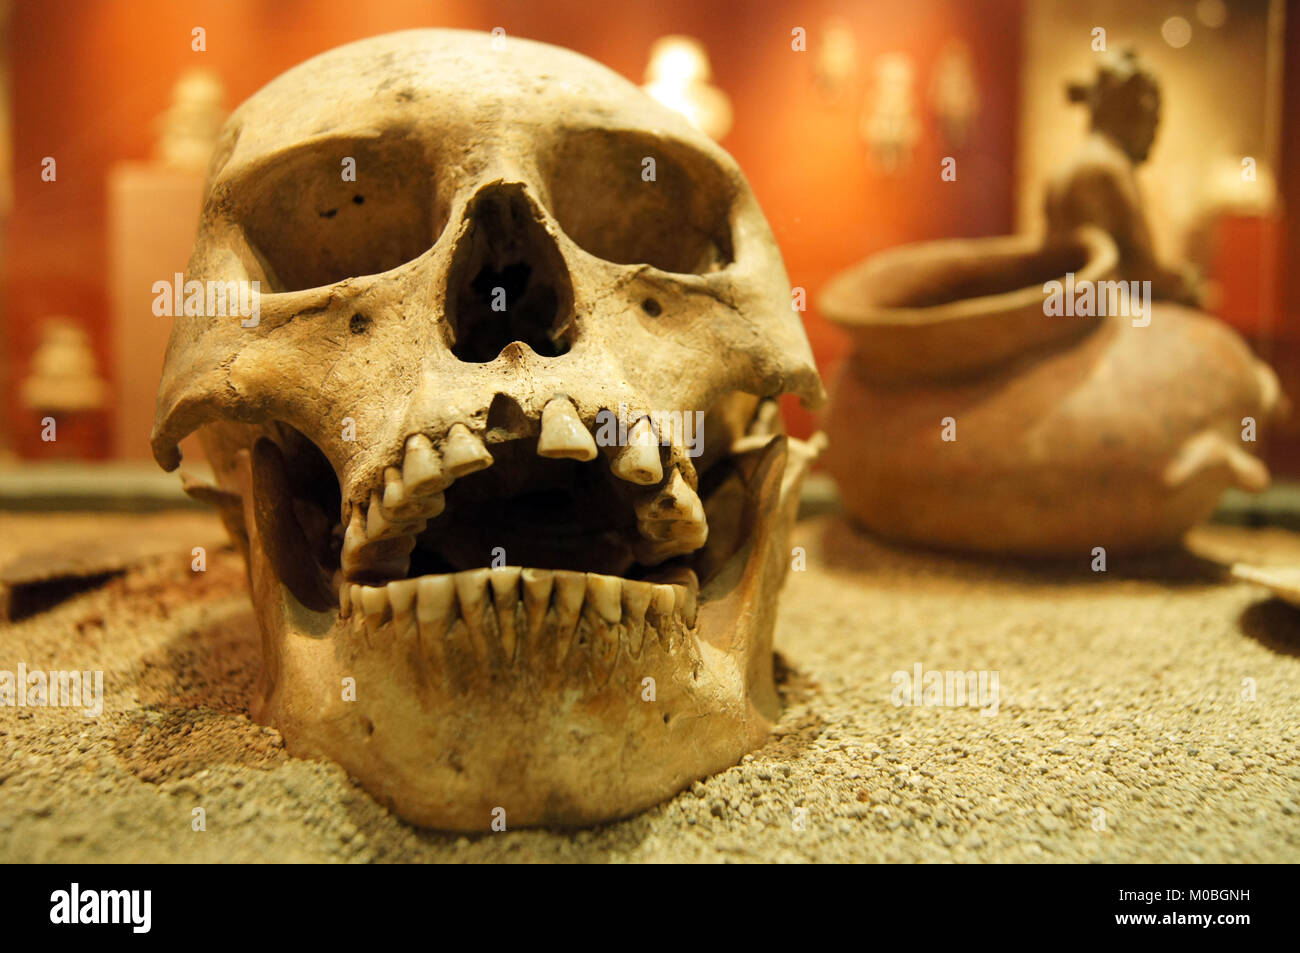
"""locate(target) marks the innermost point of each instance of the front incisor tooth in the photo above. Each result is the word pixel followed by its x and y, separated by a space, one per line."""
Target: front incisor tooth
pixel 604 595
pixel 422 472
pixel 638 462
pixel 537 596
pixel 563 435
pixel 464 452
pixel 505 595
pixel 570 590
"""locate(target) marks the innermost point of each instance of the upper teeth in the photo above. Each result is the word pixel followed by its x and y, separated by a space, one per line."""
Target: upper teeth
pixel 382 530
pixel 671 522
pixel 638 462
pixel 464 452
pixel 563 435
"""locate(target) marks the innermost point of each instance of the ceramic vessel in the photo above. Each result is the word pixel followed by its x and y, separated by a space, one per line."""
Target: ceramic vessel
pixel 967 418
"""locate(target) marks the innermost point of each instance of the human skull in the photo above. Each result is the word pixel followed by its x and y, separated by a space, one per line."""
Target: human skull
pixel 476 592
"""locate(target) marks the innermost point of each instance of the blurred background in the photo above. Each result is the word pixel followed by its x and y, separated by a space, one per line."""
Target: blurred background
pixel 841 113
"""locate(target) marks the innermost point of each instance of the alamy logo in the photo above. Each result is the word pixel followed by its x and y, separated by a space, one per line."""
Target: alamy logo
pixel 40 689
pixel 74 905
pixel 664 427
pixel 1085 299
pixel 946 689
pixel 208 299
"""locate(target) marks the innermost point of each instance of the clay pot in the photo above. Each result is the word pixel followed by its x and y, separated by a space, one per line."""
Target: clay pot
pixel 1070 432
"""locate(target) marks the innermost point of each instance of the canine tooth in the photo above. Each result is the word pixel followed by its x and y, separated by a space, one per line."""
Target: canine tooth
pixel 422 472
pixel 401 595
pixel 603 594
pixel 570 590
pixel 677 501
pixel 638 462
pixel 537 595
pixel 672 521
pixel 433 595
pixel 636 600
pixel 345 601
pixel 505 596
pixel 464 452
pixel 434 599
pixel 686 586
pixel 563 435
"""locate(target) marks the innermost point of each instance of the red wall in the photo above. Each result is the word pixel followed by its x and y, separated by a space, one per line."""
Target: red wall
pixel 89 79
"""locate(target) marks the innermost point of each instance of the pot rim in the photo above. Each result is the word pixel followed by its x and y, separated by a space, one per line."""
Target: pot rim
pixel 837 304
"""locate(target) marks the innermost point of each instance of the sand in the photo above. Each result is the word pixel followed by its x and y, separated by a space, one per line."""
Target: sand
pixel 1145 714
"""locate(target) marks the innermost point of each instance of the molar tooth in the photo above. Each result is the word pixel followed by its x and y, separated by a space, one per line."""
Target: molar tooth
pixel 471 589
pixel 464 452
pixel 434 610
pixel 563 435
pixel 537 596
pixel 570 590
pixel 505 595
pixel 422 472
pixel 603 594
pixel 638 461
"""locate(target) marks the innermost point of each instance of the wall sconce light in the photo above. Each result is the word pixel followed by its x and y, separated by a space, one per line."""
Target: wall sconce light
pixel 953 95
pixel 678 76
pixel 889 124
pixel 836 65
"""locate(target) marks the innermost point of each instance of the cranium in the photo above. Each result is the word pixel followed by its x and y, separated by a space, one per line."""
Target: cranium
pixel 470 596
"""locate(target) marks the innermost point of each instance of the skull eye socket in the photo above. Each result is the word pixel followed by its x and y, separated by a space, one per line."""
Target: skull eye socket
pixel 341 210
pixel 634 199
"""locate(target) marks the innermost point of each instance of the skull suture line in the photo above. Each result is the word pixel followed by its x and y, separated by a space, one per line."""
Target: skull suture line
pixel 624 650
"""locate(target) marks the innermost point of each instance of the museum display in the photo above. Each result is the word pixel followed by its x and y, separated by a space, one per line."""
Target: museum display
pixel 663 432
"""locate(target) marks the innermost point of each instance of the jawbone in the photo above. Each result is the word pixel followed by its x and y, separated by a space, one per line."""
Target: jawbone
pixel 552 721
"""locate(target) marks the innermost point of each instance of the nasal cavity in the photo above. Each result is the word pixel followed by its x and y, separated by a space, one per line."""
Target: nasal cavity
pixel 508 281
